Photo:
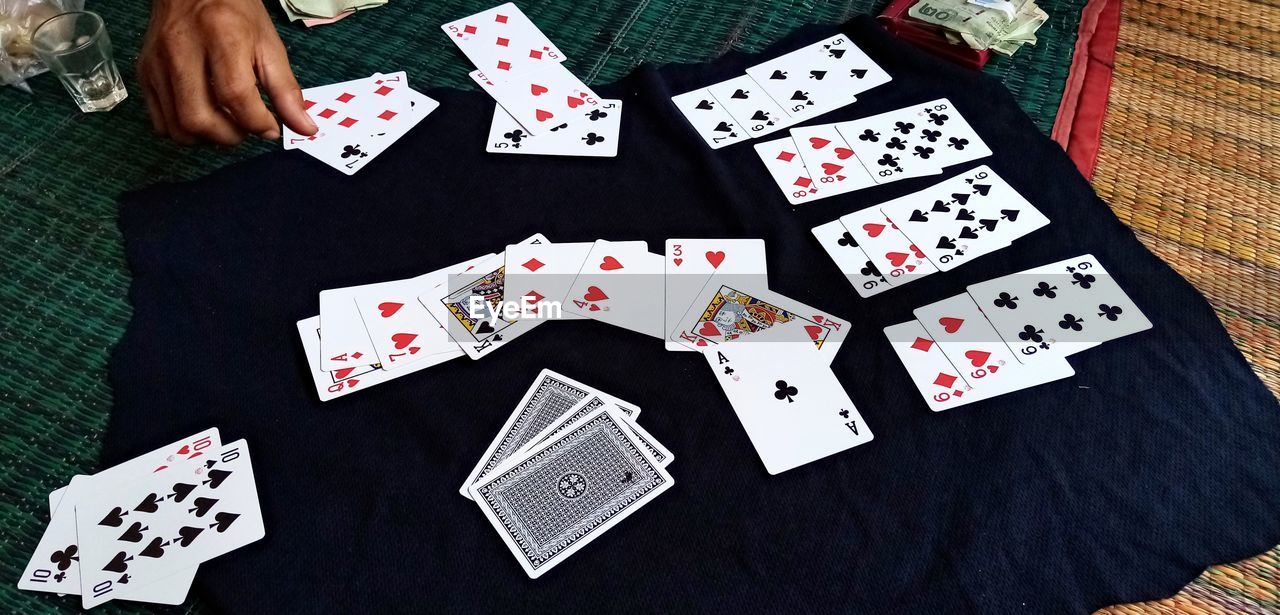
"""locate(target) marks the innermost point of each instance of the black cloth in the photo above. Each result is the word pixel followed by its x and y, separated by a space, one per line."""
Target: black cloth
pixel 1158 458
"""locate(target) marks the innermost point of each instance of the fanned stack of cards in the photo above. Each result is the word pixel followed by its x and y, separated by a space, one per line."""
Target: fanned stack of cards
pixel 543 109
pixel 359 119
pixel 784 91
pixel 936 229
pixel 1012 332
pixel 816 162
pixel 138 531
pixel 569 464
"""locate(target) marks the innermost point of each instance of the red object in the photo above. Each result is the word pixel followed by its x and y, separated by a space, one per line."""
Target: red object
pixel 928 36
pixel 1078 127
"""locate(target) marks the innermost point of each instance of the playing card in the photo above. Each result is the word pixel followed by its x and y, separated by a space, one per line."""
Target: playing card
pixel 339 382
pixel 470 307
pixel 782 159
pixel 539 275
pixel 722 314
pixel 550 397
pixel 962 218
pixel 709 118
pixel 621 283
pixel 892 252
pixel 690 263
pixel 543 98
pixel 567 492
pixel 55 564
pixel 829 160
pixel 849 257
pixel 402 330
pixel 818 78
pixel 578 412
pixel 1059 309
pixel 913 141
pixel 595 136
pixel 138 533
pixel 350 152
pixel 790 403
pixel 353 109
pixel 750 106
pixel 502 41
pixel 933 374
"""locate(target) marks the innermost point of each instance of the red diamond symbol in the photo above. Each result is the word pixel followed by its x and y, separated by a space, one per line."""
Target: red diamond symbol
pixel 500 18
pixel 535 54
pixel 533 297
pixel 803 182
pixel 383 91
pixel 504 65
pixel 533 264
pixel 958 393
pixel 469 29
pixel 345 97
pixel 327 113
pixel 356 355
pixel 348 122
pixel 944 380
pixel 922 343
pixel 386 115
pixel 786 156
pixel 502 42
pixel 307 104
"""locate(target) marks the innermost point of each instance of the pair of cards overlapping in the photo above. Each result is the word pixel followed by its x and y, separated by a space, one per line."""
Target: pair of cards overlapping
pixel 936 229
pixel 569 464
pixel 359 119
pixel 543 109
pixel 816 162
pixel 139 530
pixel 1012 332
pixel 782 92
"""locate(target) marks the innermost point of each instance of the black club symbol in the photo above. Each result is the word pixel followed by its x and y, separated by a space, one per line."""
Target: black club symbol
pixel 1031 334
pixel 903 127
pixel 931 136
pixel 1071 322
pixel 896 143
pixel 515 136
pixel 597 114
pixel 728 371
pixel 60 576
pixel 847 240
pixel 957 142
pixel 938 118
pixel 844 414
pixel 785 391
pixel 64 557
pixel 1083 279
pixel 352 150
pixel 888 160
pixel 869 135
pixel 1005 300
pixel 1110 312
pixel 1043 289
pixel 923 151
pixel 593 138
pixel 870 270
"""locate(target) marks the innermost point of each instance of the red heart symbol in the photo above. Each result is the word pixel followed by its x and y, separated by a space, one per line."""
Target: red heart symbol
pixel 184 449
pixel 677 261
pixel 610 263
pixel 715 258
pixel 593 308
pixel 993 368
pixel 977 357
pixel 897 258
pixel 414 350
pixel 831 169
pixel 594 294
pixel 543 116
pixel 818 142
pixel 574 102
pixel 708 329
pixel 389 308
pixel 701 342
pixel 843 152
pixel 873 229
pixel 403 339
pixel 537 90
pixel 949 324
pixel 343 373
pixel 351 384
pixel 814 331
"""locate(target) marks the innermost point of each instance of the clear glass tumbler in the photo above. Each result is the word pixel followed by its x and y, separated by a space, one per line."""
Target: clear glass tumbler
pixel 76 48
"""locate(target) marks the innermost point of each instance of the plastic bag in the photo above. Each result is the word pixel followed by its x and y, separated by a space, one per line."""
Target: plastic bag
pixel 18 20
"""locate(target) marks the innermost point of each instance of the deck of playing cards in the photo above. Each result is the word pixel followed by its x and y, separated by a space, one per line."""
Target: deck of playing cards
pixel 138 531
pixel 569 464
pixel 543 109
pixel 784 91
pixel 1012 332
pixel 936 229
pixel 359 119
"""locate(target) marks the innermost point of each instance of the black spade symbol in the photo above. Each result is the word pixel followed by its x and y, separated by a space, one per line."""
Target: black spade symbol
pixel 188 534
pixel 113 518
pixel 858 73
pixel 723 127
pixel 760 116
pixel 1009 214
pixel 777 74
pixel 119 563
pixel 968 233
pixel 216 477
pixel 484 327
pixel 837 53
pixel 988 224
pixel 946 244
pixel 182 490
pixel 982 189
pixel 817 74
pixel 960 198
pixel 155 548
pixel 703 104
pixel 739 94
pixel 124 579
pixel 134 533
pixel 149 504
pixel 223 520
pixel 964 214
pixel 940 206
pixel 919 216
pixel 202 506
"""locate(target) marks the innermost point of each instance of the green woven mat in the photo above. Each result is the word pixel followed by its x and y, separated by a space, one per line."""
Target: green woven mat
pixel 63 300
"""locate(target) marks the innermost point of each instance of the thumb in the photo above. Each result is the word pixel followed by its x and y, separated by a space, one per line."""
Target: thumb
pixel 282 88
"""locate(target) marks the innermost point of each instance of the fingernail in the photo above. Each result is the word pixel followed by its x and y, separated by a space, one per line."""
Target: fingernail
pixel 312 122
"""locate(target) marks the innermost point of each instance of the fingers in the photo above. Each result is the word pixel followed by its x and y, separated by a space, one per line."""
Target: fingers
pixel 235 88
pixel 282 87
pixel 197 111
pixel 154 112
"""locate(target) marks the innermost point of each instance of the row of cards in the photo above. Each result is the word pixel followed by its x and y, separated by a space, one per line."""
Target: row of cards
pixel 569 463
pixel 139 530
pixel 816 162
pixel 359 119
pixel 935 229
pixel 1012 332
pixel 782 92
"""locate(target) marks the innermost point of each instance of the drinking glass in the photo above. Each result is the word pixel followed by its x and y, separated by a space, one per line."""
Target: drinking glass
pixel 76 48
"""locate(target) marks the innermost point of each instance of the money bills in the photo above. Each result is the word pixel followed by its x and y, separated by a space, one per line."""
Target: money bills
pixel 1003 26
